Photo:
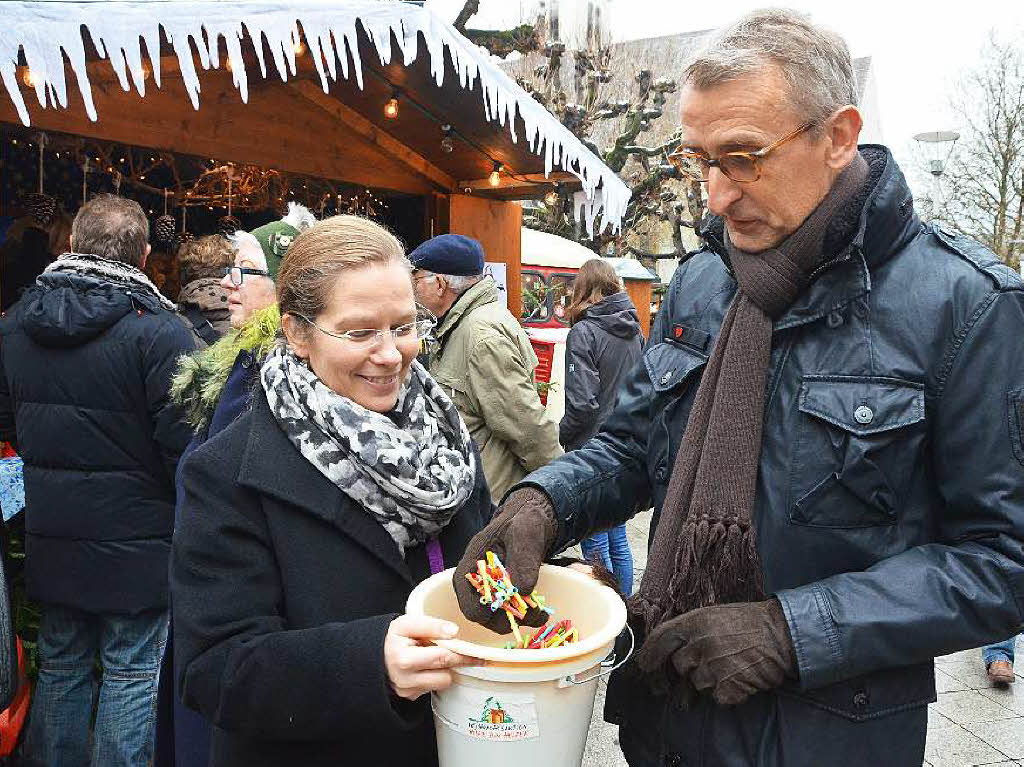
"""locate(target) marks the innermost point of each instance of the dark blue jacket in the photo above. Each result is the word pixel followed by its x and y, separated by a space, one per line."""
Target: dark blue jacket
pixel 890 498
pixel 602 347
pixel 85 368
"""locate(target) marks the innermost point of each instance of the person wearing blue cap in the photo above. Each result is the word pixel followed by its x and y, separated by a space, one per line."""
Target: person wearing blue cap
pixel 484 361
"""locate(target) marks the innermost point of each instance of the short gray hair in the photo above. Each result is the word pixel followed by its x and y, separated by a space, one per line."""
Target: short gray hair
pixel 814 61
pixel 460 283
pixel 111 227
pixel 240 237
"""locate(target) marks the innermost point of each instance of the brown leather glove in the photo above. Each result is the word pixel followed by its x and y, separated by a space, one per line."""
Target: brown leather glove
pixel 520 534
pixel 731 651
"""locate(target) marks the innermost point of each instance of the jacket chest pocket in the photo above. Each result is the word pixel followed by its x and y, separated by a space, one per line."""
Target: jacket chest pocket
pixel 858 442
pixel 674 370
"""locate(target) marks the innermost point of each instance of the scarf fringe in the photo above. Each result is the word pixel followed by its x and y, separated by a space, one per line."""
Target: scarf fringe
pixel 717 563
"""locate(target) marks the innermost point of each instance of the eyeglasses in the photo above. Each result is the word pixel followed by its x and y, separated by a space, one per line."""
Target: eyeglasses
pixel 423 277
pixel 237 274
pixel 369 338
pixel 741 167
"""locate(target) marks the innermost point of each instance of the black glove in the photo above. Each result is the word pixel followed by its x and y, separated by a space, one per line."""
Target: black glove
pixel 731 651
pixel 520 534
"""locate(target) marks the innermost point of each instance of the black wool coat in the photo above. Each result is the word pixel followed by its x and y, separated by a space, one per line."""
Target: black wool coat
pixel 283 589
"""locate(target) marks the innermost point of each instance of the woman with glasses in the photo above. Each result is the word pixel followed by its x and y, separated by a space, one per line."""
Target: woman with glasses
pixel 212 388
pixel 310 519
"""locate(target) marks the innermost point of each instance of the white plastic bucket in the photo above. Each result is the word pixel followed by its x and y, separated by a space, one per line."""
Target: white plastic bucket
pixel 525 708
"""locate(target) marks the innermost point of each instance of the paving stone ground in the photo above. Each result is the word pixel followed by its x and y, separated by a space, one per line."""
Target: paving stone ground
pixel 971 723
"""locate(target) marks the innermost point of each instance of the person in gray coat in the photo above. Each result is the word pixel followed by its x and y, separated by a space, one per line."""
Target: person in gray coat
pixel 604 344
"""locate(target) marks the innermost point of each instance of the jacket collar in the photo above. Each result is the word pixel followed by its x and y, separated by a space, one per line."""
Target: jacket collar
pixel 272 466
pixel 199 381
pixel 484 292
pixel 887 223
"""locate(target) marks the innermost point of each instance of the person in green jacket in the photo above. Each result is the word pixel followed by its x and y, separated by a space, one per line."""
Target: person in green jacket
pixel 484 360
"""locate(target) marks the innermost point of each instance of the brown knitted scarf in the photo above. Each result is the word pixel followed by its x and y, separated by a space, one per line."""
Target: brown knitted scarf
pixel 705 549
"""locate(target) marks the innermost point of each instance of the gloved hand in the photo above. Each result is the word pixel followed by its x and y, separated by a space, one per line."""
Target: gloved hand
pixel 731 651
pixel 520 534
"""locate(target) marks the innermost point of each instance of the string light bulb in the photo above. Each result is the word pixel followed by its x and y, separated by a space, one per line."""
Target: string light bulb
pixel 495 178
pixel 447 143
pixel 391 108
pixel 551 198
pixel 28 78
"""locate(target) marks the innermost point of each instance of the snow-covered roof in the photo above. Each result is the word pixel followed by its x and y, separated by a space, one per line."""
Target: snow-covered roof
pixel 543 249
pixel 47 31
pixel 631 269
pixel 552 251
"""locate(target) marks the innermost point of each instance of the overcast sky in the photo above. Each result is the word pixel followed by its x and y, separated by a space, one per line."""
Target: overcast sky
pixel 918 48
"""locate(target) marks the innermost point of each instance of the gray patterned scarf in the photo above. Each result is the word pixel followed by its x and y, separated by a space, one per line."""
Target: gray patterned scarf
pixel 411 468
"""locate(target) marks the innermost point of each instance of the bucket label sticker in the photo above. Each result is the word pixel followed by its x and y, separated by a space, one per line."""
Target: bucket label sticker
pixel 489 716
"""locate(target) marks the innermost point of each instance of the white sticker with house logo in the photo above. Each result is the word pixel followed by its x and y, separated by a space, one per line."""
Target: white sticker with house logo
pixel 488 715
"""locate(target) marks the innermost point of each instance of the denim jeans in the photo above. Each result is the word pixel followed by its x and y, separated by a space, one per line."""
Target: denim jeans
pixel 998 651
pixel 611 547
pixel 129 648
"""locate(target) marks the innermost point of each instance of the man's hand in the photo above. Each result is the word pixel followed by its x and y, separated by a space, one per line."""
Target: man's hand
pixel 520 534
pixel 731 651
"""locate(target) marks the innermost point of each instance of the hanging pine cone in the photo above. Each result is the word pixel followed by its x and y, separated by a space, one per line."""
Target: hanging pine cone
pixel 228 225
pixel 163 229
pixel 181 238
pixel 41 207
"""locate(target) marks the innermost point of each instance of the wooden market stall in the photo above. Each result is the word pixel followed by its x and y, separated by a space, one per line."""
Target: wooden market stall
pixel 383 95
pixel 550 264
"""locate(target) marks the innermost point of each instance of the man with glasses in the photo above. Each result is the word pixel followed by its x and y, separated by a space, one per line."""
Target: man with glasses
pixel 828 422
pixel 484 360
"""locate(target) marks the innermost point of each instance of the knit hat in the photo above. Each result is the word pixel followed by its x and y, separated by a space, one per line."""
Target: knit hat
pixel 453 254
pixel 276 237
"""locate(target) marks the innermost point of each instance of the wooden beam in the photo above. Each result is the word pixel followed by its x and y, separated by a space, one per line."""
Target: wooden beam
pixel 276 129
pixel 498 226
pixel 373 133
pixel 525 187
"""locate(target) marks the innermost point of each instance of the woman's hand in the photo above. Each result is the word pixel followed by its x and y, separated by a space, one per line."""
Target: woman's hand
pixel 414 665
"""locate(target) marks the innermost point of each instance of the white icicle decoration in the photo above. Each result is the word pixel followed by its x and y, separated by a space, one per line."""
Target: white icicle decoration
pixel 44 30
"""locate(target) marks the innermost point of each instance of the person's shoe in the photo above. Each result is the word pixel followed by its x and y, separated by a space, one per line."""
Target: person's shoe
pixel 1000 672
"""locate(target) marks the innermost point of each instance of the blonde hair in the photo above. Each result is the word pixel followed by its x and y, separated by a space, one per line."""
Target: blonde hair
pixel 596 281
pixel 319 256
pixel 204 257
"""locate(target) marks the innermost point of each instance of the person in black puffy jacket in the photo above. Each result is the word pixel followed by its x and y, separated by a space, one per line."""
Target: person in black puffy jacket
pixel 604 344
pixel 86 358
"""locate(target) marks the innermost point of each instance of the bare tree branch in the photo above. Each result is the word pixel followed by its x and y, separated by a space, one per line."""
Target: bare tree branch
pixel 982 192
pixel 467 12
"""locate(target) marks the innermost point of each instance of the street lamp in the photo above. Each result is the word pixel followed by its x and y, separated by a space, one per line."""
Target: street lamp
pixel 937 146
